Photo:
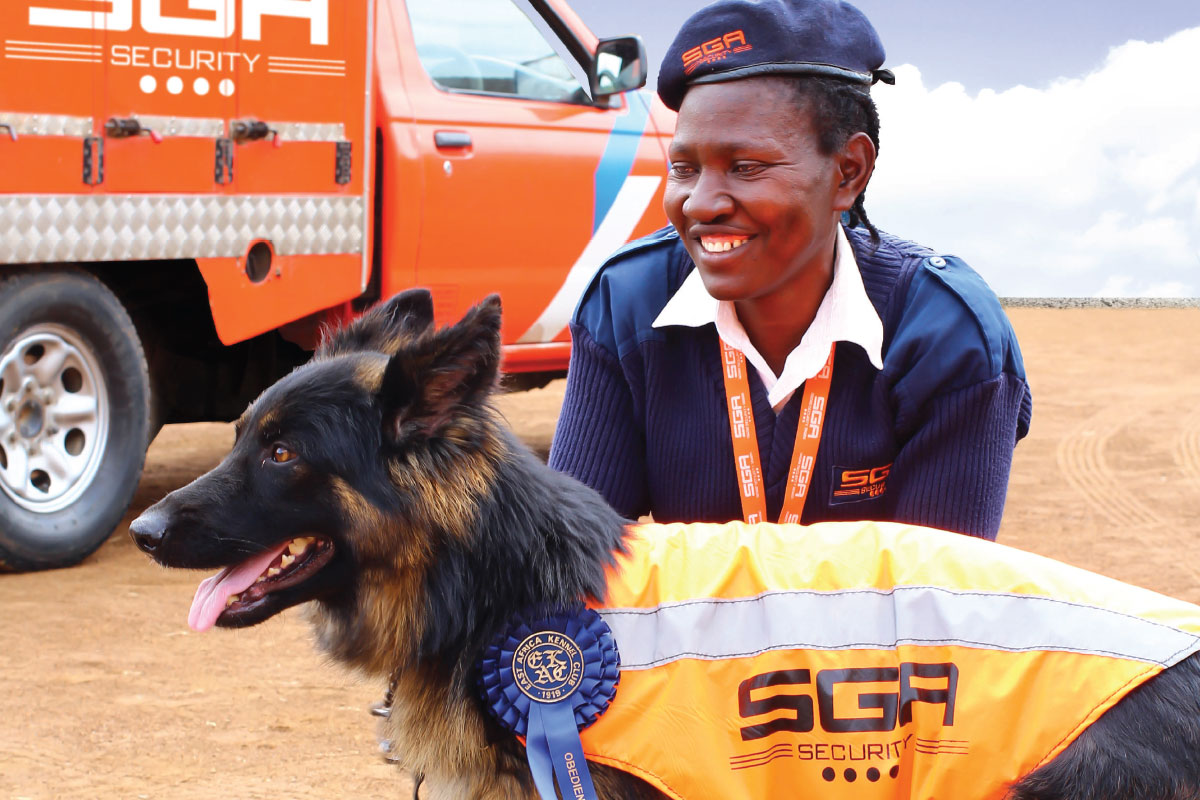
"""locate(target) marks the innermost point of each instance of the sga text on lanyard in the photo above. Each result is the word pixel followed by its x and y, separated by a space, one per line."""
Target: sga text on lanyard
pixel 745 440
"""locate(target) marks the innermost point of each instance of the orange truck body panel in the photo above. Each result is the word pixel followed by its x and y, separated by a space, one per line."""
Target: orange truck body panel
pixel 527 208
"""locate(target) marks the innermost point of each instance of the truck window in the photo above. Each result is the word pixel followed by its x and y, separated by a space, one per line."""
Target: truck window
pixel 489 47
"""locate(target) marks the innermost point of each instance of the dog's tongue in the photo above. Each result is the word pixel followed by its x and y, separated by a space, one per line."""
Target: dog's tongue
pixel 212 592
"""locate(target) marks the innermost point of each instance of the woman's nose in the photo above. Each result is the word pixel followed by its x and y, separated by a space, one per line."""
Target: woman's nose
pixel 709 199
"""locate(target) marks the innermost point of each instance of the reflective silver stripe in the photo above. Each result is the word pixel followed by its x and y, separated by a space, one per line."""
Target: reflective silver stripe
pixel 310 131
pixel 212 128
pixel 873 619
pixel 207 127
pixel 42 228
pixel 45 124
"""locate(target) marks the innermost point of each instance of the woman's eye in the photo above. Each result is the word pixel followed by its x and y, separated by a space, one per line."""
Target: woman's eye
pixel 281 455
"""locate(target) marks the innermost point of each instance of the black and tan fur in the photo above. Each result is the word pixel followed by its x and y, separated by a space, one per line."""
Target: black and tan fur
pixel 442 524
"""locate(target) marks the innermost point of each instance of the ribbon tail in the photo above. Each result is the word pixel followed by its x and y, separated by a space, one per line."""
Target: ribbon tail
pixel 537 750
pixel 566 749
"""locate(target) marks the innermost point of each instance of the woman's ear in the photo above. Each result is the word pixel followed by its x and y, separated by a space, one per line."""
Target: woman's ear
pixel 855 163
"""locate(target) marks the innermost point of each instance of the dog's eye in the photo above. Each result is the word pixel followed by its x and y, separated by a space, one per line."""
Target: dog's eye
pixel 281 455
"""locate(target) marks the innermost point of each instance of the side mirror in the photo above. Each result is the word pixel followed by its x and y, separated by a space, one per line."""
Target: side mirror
pixel 619 66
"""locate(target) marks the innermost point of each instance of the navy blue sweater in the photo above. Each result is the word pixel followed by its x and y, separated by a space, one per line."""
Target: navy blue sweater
pixel 645 420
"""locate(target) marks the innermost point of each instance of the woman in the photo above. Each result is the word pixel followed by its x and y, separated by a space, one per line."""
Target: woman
pixel 884 381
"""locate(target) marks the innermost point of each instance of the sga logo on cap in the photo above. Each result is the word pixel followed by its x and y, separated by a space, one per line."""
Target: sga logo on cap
pixel 715 50
pixel 818 38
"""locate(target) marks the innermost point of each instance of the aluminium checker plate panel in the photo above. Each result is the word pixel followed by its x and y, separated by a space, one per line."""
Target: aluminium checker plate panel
pixel 64 228
pixel 54 228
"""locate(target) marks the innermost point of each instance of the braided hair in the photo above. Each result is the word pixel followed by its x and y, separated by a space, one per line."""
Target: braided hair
pixel 839 110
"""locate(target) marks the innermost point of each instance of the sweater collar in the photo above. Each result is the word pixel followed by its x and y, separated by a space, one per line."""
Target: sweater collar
pixel 846 314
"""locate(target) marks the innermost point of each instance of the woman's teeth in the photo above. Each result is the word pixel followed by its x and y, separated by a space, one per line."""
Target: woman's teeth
pixel 721 245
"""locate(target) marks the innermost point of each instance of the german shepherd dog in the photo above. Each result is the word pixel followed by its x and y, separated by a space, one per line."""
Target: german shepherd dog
pixel 378 482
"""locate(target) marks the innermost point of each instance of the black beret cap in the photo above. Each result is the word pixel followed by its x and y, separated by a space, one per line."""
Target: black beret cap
pixel 732 39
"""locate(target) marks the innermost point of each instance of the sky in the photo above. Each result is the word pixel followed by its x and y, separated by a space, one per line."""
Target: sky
pixel 1054 145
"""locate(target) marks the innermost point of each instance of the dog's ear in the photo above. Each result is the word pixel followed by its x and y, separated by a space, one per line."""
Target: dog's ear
pixel 430 379
pixel 383 329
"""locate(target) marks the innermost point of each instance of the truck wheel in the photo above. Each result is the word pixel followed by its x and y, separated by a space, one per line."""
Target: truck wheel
pixel 74 417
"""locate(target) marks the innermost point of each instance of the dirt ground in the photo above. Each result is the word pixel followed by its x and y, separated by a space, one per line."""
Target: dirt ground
pixel 105 693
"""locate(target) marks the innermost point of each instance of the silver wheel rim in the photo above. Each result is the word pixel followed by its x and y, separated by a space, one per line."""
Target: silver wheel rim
pixel 54 418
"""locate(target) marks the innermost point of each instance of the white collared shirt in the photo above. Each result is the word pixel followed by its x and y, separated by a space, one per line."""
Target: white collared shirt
pixel 846 314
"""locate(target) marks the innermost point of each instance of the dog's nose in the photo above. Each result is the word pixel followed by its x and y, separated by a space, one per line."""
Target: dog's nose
pixel 149 529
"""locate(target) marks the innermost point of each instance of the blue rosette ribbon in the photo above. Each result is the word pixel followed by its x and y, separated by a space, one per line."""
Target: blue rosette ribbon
pixel 546 677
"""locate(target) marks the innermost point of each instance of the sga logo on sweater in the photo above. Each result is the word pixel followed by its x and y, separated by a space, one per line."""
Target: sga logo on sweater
pixel 854 485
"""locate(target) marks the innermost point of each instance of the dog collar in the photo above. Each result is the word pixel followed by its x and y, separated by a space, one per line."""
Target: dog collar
pixel 546 677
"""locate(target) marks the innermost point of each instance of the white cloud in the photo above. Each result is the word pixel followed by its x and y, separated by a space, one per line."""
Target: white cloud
pixel 1087 187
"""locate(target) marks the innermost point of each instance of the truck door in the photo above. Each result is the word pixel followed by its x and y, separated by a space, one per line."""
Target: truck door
pixel 298 79
pixel 171 69
pixel 51 69
pixel 510 146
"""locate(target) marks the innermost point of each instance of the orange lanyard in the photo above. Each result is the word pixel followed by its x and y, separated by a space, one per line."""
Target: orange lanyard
pixel 745 441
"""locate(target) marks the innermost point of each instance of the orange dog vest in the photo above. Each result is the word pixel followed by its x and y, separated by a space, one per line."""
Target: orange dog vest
pixel 862 660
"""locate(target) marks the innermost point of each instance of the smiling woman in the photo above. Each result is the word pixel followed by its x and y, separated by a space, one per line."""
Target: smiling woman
pixel 887 382
pixel 751 193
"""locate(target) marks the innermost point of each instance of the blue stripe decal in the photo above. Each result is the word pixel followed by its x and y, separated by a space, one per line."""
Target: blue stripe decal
pixel 619 155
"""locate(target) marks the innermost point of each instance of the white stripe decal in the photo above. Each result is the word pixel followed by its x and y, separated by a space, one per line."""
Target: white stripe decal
pixel 874 619
pixel 51 51
pixel 277 59
pixel 54 44
pixel 299 65
pixel 636 193
pixel 54 58
pixel 274 71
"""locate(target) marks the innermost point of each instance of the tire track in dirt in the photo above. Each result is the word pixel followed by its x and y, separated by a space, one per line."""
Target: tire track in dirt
pixel 1082 462
pixel 28 772
pixel 48 761
pixel 1187 447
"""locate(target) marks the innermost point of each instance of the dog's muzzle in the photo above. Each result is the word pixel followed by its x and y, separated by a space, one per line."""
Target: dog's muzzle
pixel 149 530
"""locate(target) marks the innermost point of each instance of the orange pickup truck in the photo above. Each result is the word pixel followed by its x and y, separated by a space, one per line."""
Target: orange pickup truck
pixel 190 189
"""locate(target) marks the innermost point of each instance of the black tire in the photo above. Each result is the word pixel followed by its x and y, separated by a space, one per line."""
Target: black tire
pixel 52 519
